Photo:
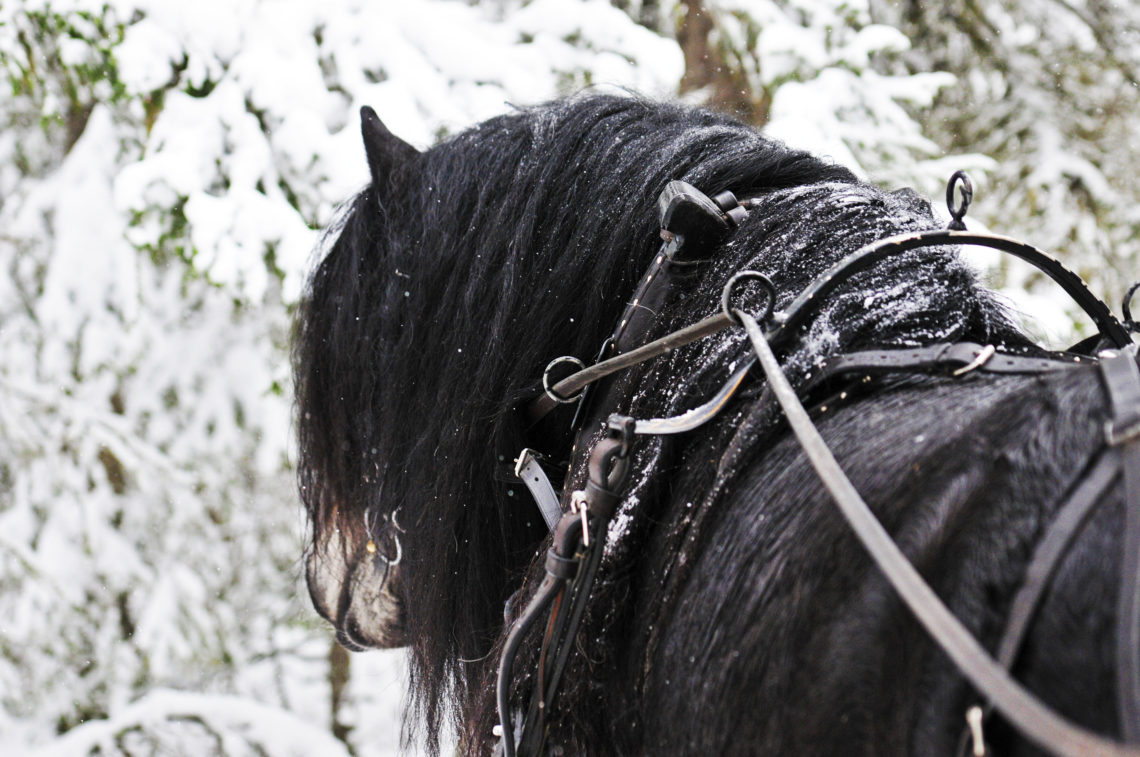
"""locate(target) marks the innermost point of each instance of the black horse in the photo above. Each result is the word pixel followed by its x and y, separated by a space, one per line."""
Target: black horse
pixel 734 611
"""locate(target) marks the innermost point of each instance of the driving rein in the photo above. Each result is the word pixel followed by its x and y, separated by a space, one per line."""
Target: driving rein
pixel 691 220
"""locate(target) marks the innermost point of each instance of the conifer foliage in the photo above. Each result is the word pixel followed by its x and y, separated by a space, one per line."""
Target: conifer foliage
pixel 165 169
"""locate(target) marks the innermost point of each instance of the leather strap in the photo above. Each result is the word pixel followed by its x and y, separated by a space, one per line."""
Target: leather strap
pixel 531 473
pixel 950 358
pixel 1068 522
pixel 1070 519
pixel 1122 380
pixel 647 298
pixel 805 305
pixel 947 358
pixel 571 385
pixel 698 416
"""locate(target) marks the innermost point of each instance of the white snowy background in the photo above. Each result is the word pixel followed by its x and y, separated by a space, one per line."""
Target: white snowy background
pixel 165 169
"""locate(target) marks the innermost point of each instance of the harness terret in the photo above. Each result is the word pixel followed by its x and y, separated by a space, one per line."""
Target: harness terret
pixel 690 220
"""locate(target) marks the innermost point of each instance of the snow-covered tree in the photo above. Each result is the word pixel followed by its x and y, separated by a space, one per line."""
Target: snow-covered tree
pixel 806 70
pixel 165 169
pixel 1034 98
pixel 143 426
pixel 1049 90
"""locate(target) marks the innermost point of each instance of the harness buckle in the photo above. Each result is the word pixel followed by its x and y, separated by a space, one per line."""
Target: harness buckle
pixel 623 428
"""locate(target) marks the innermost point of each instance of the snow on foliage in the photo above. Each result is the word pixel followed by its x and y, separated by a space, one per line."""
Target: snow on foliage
pixel 811 63
pixel 1048 90
pixel 164 170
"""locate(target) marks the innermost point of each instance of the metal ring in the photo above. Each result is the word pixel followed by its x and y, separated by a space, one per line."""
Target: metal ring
pixel 726 294
pixel 546 379
pixel 1129 323
pixel 958 213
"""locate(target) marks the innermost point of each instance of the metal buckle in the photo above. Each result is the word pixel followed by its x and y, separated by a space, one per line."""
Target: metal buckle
pixel 522 460
pixel 622 428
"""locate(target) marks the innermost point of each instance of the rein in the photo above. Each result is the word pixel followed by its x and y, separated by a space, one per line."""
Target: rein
pixel 579 535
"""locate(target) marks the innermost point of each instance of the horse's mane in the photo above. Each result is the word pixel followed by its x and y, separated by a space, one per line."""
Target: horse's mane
pixel 445 294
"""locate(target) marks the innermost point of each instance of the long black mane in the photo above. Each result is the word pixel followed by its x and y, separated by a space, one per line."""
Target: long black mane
pixel 428 323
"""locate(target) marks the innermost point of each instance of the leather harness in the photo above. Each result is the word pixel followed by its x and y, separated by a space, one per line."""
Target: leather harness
pixel 689 220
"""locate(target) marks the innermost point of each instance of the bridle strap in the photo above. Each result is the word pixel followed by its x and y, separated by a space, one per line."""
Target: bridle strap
pixel 1026 712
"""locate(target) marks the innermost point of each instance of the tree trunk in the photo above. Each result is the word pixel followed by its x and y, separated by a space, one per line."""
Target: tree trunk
pixel 726 85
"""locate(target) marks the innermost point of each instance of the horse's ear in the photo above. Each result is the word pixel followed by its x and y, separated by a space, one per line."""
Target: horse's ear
pixel 384 149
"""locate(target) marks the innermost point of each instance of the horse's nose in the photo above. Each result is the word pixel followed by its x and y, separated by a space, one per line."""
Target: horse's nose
pixel 322 568
pixel 347 635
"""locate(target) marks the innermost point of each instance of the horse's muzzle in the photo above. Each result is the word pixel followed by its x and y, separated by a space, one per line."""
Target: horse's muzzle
pixel 358 593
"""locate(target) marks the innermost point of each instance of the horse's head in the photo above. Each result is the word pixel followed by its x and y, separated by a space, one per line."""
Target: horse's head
pixel 353 561
pixel 355 585
pixel 455 276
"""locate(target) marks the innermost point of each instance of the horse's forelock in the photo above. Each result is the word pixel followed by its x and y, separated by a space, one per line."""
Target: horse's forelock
pixel 336 455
